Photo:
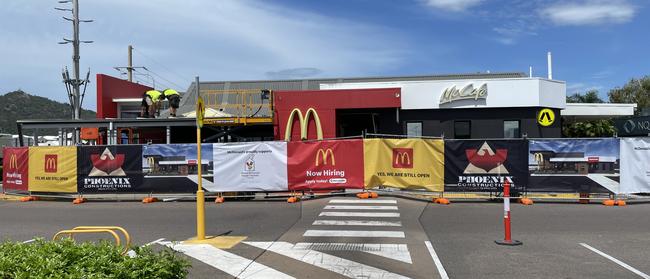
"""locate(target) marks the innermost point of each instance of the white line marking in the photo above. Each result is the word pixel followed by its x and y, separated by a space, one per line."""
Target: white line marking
pixel 227 262
pixel 29 241
pixel 364 201
pixel 326 233
pixel 359 214
pixel 398 252
pixel 436 260
pixel 356 223
pixel 626 266
pixel 332 263
pixel 361 207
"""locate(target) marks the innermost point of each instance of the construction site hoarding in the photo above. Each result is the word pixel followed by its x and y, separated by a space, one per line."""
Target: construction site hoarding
pixel 249 166
pixel 15 168
pixel 485 165
pixel 116 168
pixel 416 164
pixel 635 165
pixel 574 165
pixel 53 169
pixel 322 165
pixel 173 168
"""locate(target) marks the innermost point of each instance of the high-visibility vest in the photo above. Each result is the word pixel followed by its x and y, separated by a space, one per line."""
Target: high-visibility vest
pixel 154 94
pixel 169 92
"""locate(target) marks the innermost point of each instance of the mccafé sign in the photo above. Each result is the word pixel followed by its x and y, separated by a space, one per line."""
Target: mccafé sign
pixel 304 122
pixel 467 92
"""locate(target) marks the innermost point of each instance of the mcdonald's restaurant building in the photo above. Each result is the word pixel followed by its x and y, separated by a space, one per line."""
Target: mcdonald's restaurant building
pixel 457 106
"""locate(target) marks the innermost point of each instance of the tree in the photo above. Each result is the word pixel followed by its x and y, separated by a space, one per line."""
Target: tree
pixel 590 97
pixel 634 91
pixel 588 129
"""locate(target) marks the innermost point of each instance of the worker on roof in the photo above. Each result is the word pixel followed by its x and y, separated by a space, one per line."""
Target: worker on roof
pixel 174 100
pixel 150 102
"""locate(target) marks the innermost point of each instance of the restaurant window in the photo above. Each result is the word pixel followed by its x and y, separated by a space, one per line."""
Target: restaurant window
pixel 413 129
pixel 511 129
pixel 462 129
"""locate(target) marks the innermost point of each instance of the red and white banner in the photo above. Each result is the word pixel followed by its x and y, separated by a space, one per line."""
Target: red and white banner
pixel 15 166
pixel 325 165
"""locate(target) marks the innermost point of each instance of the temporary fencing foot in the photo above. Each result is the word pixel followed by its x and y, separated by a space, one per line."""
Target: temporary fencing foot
pixel 526 201
pixel 293 199
pixel 508 242
pixel 79 200
pixel 28 199
pixel 621 203
pixel 609 202
pixel 373 195
pixel 219 200
pixel 363 195
pixel 149 200
pixel 441 201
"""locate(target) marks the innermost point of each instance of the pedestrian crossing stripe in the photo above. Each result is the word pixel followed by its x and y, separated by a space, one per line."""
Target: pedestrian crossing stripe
pixel 546 117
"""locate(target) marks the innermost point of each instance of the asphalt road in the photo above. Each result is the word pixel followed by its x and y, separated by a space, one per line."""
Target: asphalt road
pixel 340 238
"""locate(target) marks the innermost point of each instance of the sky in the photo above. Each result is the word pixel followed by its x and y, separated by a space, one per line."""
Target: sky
pixel 596 44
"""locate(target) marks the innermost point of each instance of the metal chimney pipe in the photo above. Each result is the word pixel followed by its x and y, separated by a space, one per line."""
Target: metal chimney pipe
pixel 550 65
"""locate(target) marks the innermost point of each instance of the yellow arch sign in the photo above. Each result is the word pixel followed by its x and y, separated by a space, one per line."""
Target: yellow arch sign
pixel 546 117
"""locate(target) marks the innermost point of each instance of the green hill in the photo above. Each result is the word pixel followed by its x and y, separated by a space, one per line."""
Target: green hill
pixel 20 105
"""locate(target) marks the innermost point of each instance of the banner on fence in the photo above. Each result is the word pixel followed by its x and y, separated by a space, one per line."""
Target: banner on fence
pixel 15 168
pixel 116 168
pixel 53 169
pixel 404 163
pixel 635 165
pixel 334 164
pixel 484 165
pixel 174 167
pixel 574 165
pixel 250 166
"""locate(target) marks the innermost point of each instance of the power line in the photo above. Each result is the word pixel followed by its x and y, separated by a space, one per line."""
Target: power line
pixel 163 78
pixel 162 65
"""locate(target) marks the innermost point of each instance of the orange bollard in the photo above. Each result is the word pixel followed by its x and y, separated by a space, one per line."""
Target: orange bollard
pixel 609 202
pixel 219 200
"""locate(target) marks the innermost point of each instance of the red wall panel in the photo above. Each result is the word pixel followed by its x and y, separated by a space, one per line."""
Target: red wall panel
pixel 326 102
pixel 109 88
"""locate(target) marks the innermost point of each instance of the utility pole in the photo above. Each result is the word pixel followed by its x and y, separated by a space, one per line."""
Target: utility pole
pixel 129 68
pixel 73 85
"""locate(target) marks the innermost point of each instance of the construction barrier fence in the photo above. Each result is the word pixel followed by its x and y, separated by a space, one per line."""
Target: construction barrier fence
pixel 431 165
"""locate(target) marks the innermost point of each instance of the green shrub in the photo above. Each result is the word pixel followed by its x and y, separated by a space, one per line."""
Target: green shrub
pixel 67 259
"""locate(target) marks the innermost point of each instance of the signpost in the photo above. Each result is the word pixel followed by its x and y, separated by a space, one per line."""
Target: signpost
pixel 546 117
pixel 200 195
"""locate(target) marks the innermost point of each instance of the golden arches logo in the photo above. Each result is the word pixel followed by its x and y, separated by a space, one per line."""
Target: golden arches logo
pixel 13 162
pixel 322 153
pixel 304 124
pixel 402 157
pixel 50 163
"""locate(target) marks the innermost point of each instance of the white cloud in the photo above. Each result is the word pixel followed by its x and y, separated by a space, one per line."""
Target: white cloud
pixel 218 40
pixel 580 87
pixel 590 12
pixel 452 5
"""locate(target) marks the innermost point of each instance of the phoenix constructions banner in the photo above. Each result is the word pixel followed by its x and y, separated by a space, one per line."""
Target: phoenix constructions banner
pixel 485 165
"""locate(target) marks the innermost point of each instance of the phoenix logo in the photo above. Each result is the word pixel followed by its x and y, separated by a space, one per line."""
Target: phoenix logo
pixel 403 158
pixel 485 160
pixel 106 164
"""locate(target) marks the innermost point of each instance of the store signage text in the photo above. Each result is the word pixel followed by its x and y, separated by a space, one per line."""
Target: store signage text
pixel 453 93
